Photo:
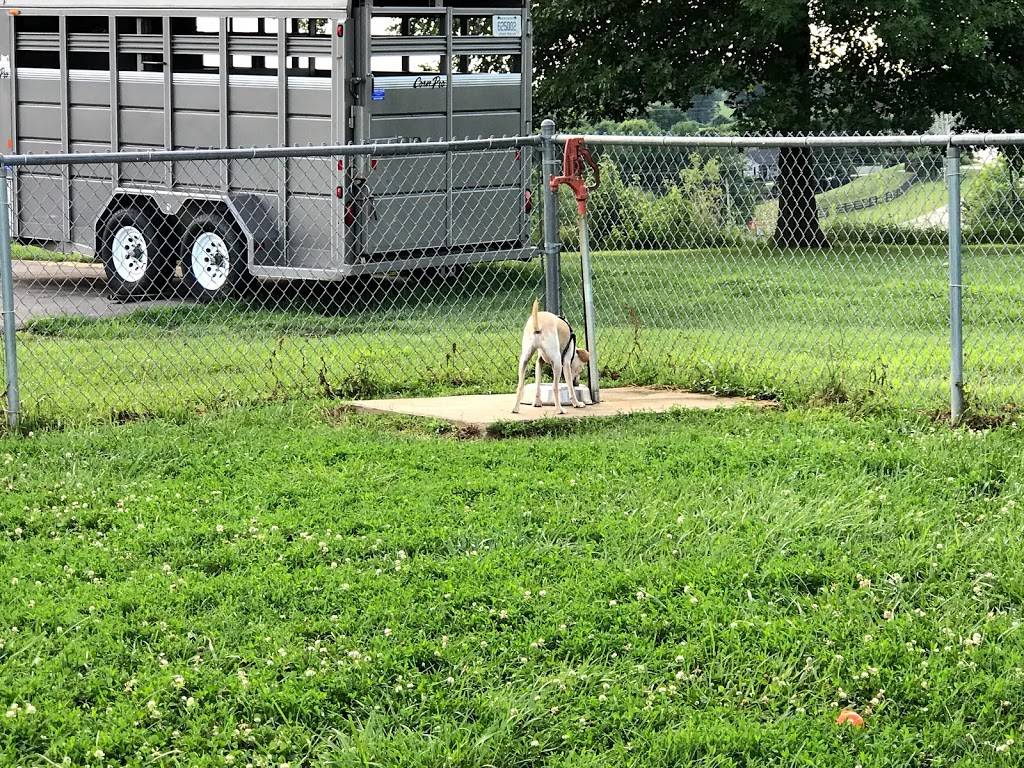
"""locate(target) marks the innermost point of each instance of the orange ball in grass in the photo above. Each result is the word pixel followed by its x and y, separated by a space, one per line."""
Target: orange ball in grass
pixel 849 717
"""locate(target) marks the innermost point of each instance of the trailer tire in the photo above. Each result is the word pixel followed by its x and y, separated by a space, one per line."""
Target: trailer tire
pixel 135 254
pixel 213 258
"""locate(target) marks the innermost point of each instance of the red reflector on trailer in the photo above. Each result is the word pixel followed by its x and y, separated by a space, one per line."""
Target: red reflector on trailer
pixel 341 165
pixel 519 154
pixel 341 30
pixel 339 192
pixel 350 214
pixel 529 201
pixel 373 163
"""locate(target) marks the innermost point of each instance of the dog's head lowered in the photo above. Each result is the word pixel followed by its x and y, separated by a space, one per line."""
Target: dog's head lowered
pixel 579 359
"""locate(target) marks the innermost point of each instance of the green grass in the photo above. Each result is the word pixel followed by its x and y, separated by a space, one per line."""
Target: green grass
pixel 285 585
pixel 858 188
pixel 921 207
pixel 35 253
pixel 864 323
pixel 862 187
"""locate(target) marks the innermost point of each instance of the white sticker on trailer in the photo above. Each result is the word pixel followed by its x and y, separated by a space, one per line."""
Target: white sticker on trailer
pixel 507 26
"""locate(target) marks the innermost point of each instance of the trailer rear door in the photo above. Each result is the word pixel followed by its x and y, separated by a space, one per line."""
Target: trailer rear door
pixel 445 73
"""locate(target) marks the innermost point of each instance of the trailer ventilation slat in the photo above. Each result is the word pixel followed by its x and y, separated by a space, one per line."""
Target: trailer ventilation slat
pixel 88 42
pixel 194 44
pixel 309 46
pixel 404 46
pixel 140 44
pixel 487 46
pixel 38 41
pixel 261 46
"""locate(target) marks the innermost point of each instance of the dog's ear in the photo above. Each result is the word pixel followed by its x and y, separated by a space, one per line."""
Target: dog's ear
pixel 584 355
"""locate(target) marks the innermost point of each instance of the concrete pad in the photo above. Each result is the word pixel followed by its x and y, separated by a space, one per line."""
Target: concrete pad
pixel 481 411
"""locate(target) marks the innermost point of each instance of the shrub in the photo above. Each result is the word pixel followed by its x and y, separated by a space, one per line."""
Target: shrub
pixel 994 210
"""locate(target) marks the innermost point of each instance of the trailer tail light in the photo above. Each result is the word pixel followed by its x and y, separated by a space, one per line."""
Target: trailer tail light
pixel 341 165
pixel 340 30
pixel 529 201
pixel 339 192
pixel 350 214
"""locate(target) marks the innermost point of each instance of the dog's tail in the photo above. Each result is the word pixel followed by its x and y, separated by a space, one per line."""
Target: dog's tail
pixel 536 320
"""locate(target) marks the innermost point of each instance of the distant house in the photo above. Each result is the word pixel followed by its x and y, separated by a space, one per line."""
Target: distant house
pixel 762 163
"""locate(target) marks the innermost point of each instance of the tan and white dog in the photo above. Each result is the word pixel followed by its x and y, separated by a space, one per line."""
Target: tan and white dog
pixel 553 341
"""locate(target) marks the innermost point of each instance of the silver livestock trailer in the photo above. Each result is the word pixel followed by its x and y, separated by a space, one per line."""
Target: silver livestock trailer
pixel 136 75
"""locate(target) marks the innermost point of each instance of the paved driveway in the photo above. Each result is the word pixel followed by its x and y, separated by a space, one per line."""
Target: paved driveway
pixel 54 289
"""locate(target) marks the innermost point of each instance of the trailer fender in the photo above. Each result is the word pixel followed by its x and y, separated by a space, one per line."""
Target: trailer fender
pixel 259 220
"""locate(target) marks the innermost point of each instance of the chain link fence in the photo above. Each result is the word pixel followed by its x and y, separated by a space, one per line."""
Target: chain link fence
pixel 179 281
pixel 811 269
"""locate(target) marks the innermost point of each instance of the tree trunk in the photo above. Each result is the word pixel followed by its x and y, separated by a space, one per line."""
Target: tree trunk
pixel 797 225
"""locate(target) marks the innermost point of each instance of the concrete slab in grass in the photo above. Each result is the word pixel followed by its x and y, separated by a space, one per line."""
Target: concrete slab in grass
pixel 481 411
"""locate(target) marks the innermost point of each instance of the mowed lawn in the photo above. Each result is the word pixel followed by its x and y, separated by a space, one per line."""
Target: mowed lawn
pixel 864 321
pixel 293 585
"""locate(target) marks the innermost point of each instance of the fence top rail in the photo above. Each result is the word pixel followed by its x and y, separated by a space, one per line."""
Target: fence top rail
pixel 252 153
pixel 917 140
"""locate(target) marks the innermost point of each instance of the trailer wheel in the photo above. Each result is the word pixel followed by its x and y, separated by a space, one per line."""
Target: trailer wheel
pixel 213 258
pixel 134 253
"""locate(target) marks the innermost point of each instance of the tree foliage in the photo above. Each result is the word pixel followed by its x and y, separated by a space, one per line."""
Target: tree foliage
pixel 789 66
pixel 838 65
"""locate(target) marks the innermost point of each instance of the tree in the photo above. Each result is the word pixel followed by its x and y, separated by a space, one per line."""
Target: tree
pixel 790 67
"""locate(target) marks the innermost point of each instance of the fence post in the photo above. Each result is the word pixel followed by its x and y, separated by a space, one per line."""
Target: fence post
pixel 7 303
pixel 956 338
pixel 552 246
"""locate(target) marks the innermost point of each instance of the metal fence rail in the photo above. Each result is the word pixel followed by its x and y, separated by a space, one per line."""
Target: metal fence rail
pixel 410 268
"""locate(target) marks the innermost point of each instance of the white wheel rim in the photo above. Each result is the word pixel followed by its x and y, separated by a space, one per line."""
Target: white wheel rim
pixel 130 254
pixel 210 261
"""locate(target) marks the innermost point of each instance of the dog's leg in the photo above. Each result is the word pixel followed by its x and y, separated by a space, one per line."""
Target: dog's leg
pixel 536 385
pixel 556 373
pixel 524 360
pixel 572 387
